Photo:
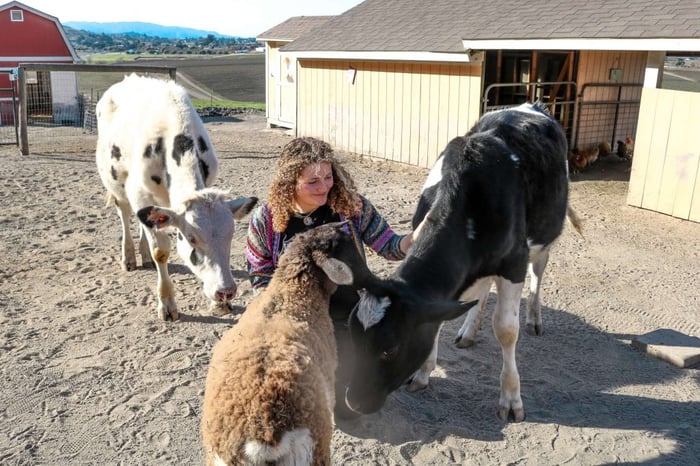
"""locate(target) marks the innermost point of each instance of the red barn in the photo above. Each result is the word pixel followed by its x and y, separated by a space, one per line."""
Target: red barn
pixel 28 35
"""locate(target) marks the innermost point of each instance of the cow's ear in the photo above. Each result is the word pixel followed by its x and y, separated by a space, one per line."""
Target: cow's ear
pixel 158 217
pixel 241 206
pixel 439 311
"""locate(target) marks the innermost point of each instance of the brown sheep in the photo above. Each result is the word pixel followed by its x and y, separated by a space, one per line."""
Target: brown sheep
pixel 269 392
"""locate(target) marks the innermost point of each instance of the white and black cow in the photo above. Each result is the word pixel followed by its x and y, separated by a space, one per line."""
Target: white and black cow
pixel 495 202
pixel 154 157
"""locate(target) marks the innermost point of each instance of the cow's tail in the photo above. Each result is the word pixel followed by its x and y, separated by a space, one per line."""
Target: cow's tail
pixel 575 220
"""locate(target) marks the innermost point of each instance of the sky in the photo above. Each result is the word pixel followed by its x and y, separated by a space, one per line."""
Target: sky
pixel 243 18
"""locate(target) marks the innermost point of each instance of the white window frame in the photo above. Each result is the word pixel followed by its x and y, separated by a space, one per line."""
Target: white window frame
pixel 16 16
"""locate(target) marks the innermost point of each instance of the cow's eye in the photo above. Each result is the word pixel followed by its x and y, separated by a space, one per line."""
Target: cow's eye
pixel 194 257
pixel 389 354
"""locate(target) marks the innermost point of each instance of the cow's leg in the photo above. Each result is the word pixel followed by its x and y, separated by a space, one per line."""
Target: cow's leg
pixel 420 379
pixel 128 259
pixel 466 336
pixel 506 325
pixel 145 249
pixel 538 262
pixel 159 242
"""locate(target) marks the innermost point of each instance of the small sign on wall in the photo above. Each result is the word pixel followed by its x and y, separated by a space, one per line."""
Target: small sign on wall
pixel 615 74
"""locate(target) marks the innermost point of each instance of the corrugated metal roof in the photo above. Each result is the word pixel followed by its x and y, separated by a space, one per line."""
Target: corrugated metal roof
pixel 441 25
pixel 293 28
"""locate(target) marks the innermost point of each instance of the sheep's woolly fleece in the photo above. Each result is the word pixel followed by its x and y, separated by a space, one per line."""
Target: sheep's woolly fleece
pixel 272 374
pixel 91 376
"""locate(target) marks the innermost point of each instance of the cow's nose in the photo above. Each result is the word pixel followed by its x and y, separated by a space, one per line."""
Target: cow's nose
pixel 225 294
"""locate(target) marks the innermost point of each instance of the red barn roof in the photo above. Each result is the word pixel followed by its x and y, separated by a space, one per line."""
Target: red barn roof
pixel 28 35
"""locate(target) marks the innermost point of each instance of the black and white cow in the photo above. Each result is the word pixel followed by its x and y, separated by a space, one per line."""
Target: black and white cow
pixel 155 158
pixel 495 202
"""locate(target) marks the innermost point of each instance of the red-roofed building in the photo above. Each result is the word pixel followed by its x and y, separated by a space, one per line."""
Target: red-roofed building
pixel 28 35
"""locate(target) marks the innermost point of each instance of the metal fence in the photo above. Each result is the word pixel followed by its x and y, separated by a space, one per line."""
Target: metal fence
pixel 57 103
pixel 8 110
pixel 558 97
pixel 607 112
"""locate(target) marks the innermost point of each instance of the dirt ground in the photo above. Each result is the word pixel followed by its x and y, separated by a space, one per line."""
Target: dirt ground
pixel 91 376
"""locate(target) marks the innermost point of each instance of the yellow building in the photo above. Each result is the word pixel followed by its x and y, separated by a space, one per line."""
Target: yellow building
pixel 398 79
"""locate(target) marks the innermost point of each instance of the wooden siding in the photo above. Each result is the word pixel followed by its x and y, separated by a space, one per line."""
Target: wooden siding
pixel 596 121
pixel 405 112
pixel 665 173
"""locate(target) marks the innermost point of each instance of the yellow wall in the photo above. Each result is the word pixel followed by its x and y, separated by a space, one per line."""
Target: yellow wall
pixel 405 112
pixel 666 166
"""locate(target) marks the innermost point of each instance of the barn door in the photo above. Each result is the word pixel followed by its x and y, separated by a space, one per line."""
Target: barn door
pixel 287 86
pixel 515 77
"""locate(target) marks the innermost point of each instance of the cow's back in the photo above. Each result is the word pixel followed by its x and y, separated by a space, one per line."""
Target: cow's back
pixel 540 144
pixel 139 120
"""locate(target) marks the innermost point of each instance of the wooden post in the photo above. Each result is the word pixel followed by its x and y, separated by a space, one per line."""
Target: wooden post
pixel 22 88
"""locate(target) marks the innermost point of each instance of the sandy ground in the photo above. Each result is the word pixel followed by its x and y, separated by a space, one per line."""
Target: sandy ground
pixel 91 376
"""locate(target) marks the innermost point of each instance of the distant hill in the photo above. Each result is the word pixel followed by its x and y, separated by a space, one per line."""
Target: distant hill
pixel 86 42
pixel 147 29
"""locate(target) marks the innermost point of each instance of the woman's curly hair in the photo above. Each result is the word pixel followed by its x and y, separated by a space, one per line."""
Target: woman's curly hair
pixel 296 155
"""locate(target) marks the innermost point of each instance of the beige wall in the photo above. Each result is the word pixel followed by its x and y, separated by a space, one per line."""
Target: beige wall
pixel 596 122
pixel 665 173
pixel 405 112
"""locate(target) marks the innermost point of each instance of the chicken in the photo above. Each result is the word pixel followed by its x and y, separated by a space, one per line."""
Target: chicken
pixel 590 154
pixel 604 148
pixel 625 148
pixel 580 159
pixel 576 161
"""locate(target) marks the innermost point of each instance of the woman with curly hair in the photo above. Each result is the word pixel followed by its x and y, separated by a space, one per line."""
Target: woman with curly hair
pixel 312 188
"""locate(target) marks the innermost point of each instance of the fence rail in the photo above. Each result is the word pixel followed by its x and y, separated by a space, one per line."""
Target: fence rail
pixel 559 97
pixel 55 96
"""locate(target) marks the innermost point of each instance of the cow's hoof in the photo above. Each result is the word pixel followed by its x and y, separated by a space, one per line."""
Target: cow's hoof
pixel 129 266
pixel 168 314
pixel 506 414
pixel 533 329
pixel 415 386
pixel 464 342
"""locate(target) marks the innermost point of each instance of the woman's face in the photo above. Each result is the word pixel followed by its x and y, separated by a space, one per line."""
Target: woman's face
pixel 313 186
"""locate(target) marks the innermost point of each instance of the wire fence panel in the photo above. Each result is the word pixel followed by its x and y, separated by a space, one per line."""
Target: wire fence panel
pixel 607 112
pixel 8 109
pixel 57 104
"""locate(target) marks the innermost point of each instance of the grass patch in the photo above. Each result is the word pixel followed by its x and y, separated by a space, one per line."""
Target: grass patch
pixel 204 103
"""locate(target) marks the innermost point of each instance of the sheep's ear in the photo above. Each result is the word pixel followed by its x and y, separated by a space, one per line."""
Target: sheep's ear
pixel 337 271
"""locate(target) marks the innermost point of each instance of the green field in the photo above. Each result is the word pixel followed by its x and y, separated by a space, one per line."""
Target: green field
pixel 238 78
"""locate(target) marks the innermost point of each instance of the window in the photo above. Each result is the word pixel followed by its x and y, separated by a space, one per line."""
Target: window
pixel 681 73
pixel 16 15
